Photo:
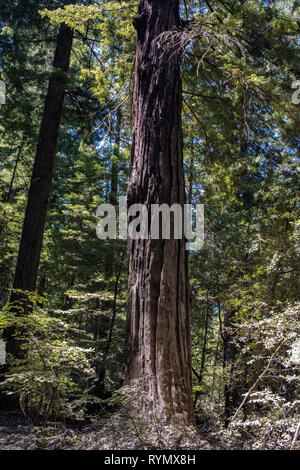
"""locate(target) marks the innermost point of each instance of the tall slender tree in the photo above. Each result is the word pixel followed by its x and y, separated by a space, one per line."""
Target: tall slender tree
pixel 158 323
pixel 38 197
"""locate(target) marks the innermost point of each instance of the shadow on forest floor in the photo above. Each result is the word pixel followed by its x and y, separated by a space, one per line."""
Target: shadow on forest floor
pixel 17 432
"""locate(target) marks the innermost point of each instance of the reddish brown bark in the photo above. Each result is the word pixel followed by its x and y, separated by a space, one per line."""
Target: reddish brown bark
pixel 158 322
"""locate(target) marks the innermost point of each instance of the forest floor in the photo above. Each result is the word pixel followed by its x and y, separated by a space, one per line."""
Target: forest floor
pixel 116 432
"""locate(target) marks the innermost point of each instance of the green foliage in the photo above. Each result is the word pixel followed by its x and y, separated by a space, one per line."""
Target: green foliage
pixel 55 369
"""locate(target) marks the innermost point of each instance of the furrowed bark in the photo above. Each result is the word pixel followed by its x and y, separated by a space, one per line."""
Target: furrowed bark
pixel 158 320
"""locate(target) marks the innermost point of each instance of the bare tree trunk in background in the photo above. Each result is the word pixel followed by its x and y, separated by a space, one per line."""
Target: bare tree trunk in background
pixel 203 357
pixel 204 347
pixel 215 367
pixel 158 320
pixel 116 163
pixel 232 387
pixel 11 184
pixel 38 197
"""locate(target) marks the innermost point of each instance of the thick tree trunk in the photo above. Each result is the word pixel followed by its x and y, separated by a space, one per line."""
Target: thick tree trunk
pixel 38 197
pixel 158 321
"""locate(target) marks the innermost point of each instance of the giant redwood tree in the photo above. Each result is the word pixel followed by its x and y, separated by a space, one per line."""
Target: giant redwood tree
pixel 158 324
